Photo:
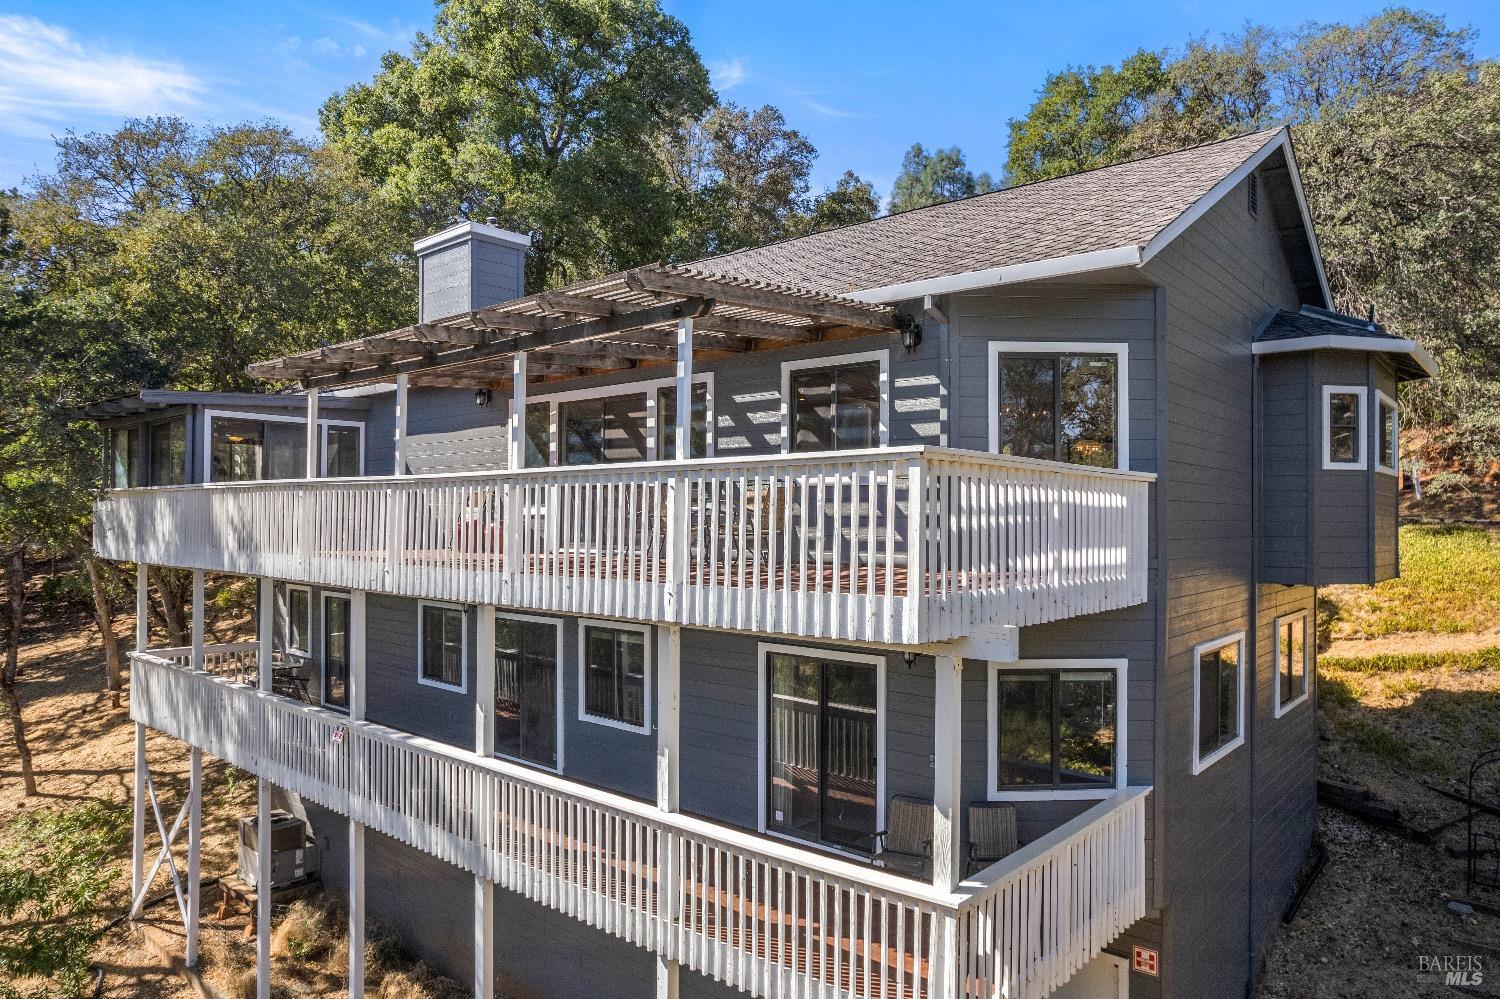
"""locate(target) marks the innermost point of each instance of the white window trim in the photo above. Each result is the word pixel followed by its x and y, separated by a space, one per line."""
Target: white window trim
pixel 1304 618
pixel 764 649
pixel 1201 764
pixel 307 632
pixel 1122 384
pixel 647 631
pixel 649 387
pixel 833 360
pixel 992 792
pixel 463 664
pixel 1381 397
pixel 1361 434
pixel 209 415
pixel 557 627
pixel 324 597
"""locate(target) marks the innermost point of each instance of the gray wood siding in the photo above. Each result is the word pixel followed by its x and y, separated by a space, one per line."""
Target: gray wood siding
pixel 1289 446
pixel 1222 277
pixel 469 275
pixel 394 696
pixel 446 432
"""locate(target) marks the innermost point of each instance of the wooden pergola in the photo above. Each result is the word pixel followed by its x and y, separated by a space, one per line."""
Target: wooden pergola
pixel 636 318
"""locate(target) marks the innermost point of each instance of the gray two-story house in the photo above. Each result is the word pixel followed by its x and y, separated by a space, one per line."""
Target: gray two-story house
pixel 922 608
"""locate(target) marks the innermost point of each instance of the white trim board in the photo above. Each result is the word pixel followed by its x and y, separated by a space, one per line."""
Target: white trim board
pixel 1302 617
pixel 1122 384
pixel 762 726
pixel 463 665
pixel 883 355
pixel 561 713
pixel 1379 427
pixel 1361 432
pixel 1201 764
pixel 1330 341
pixel 647 632
pixel 993 669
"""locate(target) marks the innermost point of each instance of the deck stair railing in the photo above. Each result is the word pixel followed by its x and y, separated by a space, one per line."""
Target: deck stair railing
pixel 755 913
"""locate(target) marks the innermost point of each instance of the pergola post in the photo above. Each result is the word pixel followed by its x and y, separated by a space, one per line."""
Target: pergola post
pixel 401 415
pixel 484 748
pixel 947 859
pixel 313 442
pixel 263 809
pixel 357 652
pixel 668 753
pixel 684 415
pixel 517 451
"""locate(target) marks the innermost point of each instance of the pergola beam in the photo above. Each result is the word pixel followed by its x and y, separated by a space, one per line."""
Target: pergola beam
pixel 814 307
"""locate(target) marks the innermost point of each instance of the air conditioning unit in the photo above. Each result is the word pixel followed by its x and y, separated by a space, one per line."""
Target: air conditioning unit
pixel 294 853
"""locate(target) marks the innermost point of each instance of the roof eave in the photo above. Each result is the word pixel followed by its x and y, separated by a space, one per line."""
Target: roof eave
pixel 1328 341
pixel 1035 270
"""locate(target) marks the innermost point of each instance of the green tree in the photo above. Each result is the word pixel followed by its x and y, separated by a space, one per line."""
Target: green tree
pixel 849 201
pixel 541 113
pixel 930 178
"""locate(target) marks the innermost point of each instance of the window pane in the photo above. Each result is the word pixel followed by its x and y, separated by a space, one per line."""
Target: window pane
pixel 342 459
pixel 596 431
pixel 299 619
pixel 1023 742
pixel 1028 415
pixel 538 435
pixel 336 651
pixel 793 750
pixel 1293 651
pixel 236 449
pixel 631 649
pixel 526 690
pixel 615 674
pixel 442 645
pixel 1218 698
pixel 286 450
pixel 1343 427
pixel 848 752
pixel 167 443
pixel 1087 420
pixel 1387 434
pixel 124 457
pixel 835 408
pixel 1086 733
pixel 666 422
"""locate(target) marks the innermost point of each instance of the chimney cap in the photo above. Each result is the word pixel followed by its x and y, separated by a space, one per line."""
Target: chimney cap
pixel 462 231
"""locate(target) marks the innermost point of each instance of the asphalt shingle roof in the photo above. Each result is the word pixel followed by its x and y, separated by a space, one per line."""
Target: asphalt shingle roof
pixel 1121 205
pixel 1313 321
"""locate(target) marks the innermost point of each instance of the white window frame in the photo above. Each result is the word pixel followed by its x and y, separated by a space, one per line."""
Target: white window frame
pixel 323 646
pixel 561 714
pixel 463 665
pixel 1381 399
pixel 1305 619
pixel 1202 763
pixel 830 361
pixel 1122 384
pixel 648 682
pixel 1361 434
pixel 762 726
pixel 649 387
pixel 209 415
pixel 308 631
pixel 992 721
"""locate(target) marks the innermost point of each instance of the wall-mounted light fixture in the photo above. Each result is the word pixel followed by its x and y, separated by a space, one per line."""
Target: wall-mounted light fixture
pixel 482 397
pixel 911 332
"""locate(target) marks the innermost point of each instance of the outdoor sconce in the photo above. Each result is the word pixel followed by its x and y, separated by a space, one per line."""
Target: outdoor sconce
pixel 911 659
pixel 911 332
pixel 482 397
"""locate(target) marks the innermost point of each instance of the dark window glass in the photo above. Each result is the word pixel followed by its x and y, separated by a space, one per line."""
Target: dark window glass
pixel 1055 729
pixel 236 449
pixel 167 445
pixel 336 611
pixel 1218 698
pixel 835 408
pixel 1387 435
pixel 1292 649
pixel 443 645
pixel 1343 427
pixel 341 459
pixel 298 619
pixel 538 435
pixel 526 690
pixel 820 751
pixel 666 422
pixel 600 431
pixel 124 457
pixel 614 674
pixel 286 450
pixel 1060 407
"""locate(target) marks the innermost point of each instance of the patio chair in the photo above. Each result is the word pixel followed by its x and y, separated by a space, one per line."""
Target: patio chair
pixel 992 833
pixel 906 843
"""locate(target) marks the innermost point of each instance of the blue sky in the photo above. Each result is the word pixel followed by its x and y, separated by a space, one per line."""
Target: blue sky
pixel 862 80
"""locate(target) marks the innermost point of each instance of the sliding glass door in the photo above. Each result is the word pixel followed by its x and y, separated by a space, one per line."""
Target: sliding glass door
pixel 526 690
pixel 821 749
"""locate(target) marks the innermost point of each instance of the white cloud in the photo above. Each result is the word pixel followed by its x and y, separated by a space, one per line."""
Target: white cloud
pixel 50 77
pixel 727 73
pixel 831 112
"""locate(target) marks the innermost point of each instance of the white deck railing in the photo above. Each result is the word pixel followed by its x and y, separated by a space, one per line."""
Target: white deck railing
pixel 758 914
pixel 904 545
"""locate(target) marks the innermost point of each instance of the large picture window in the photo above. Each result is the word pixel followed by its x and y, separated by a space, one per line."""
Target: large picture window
pixel 603 430
pixel 166 447
pixel 526 691
pixel 1055 728
pixel 337 610
pixel 1218 700
pixel 342 451
pixel 614 663
pixel 1344 427
pixel 442 641
pixel 622 423
pixel 666 423
pixel 243 448
pixel 1291 661
pixel 1062 405
pixel 835 406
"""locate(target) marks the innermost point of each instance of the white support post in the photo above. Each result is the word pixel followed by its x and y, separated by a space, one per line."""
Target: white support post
pixel 262 889
pixel 401 414
pixel 267 631
pixel 313 437
pixel 195 661
pixel 947 768
pixel 484 747
pixel 195 848
pixel 684 415
pixel 517 425
pixel 357 651
pixel 138 804
pixel 142 607
pixel 668 763
pixel 677 490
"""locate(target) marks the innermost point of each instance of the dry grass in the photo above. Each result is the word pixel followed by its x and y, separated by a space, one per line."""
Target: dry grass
pixel 1447 586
